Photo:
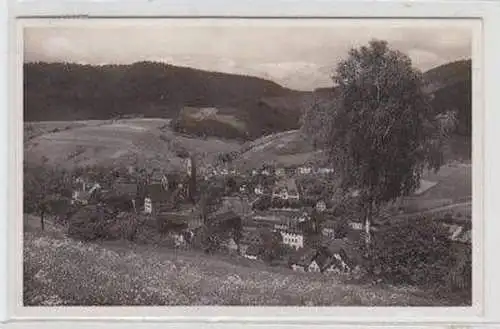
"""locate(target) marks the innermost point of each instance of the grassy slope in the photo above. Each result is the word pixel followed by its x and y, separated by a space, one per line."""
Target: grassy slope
pixel 61 271
pixel 107 142
pixel 454 185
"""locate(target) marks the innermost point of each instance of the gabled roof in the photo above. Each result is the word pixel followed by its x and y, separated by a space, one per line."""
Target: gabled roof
pixel 344 249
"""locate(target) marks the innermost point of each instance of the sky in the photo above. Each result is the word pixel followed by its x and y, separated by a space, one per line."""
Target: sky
pixel 297 55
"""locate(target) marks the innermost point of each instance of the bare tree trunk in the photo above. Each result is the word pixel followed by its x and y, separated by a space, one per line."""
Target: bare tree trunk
pixel 42 222
pixel 367 226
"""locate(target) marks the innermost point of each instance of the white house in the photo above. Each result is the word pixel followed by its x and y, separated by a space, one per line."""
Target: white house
pixel 321 206
pixel 189 166
pixel 258 190
pixel 325 171
pixel 298 268
pixel 265 172
pixel 313 267
pixel 294 240
pixel 148 205
pixel 254 172
pixel 84 191
pixel 356 225
pixel 337 265
pixel 304 170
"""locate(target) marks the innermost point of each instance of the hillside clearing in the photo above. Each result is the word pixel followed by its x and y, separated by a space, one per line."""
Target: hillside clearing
pixel 122 142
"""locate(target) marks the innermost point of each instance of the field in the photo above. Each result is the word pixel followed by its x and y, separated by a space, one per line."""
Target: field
pixel 116 142
pixel 453 185
pixel 118 273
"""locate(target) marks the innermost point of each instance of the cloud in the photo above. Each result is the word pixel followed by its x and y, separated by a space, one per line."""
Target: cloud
pixel 296 56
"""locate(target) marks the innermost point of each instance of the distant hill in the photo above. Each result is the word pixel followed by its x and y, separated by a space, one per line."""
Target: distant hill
pixel 451 85
pixel 65 92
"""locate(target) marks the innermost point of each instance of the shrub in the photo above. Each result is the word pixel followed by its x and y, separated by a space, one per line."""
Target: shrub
pixel 416 252
pixel 97 222
pixel 263 203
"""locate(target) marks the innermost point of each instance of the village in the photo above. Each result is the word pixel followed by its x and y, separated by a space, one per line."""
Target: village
pixel 266 214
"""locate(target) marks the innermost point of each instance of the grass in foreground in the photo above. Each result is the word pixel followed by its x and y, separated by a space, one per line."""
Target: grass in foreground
pixel 62 271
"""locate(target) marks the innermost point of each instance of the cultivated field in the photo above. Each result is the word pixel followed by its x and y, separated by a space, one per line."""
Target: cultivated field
pixel 123 142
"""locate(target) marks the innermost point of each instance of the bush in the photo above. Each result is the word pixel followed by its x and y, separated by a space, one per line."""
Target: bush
pixel 417 252
pixel 263 203
pixel 98 222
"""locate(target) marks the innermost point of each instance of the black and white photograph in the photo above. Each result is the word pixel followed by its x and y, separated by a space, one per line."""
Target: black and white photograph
pixel 248 162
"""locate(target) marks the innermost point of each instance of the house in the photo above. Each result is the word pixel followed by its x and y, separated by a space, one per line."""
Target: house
pixel 84 191
pixel 338 256
pixel 286 189
pixel 336 265
pixel 188 165
pixel 303 217
pixel 356 226
pixel 156 200
pixel 254 172
pixel 304 170
pixel 252 252
pixel 313 266
pixel 231 245
pixel 258 190
pixel 243 188
pixel 279 172
pixel 459 233
pixel 324 171
pixel 321 206
pixel 328 230
pixel 178 238
pixel 265 172
pixel 293 239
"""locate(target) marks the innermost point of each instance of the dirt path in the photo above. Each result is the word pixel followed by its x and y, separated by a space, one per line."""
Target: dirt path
pixel 434 210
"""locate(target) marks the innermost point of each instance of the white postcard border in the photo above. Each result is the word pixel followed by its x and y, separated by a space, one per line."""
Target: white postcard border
pixel 486 173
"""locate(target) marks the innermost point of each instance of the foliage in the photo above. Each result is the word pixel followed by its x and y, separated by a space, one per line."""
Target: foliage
pixel 46 190
pixel 272 247
pixel 383 133
pixel 417 252
pixel 85 274
pixel 99 222
pixel 262 203
pixel 210 201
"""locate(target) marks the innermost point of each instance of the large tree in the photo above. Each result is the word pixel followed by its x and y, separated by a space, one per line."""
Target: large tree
pixel 46 190
pixel 380 130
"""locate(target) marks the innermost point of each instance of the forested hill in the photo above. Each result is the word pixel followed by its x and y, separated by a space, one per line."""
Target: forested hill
pixel 63 91
pixel 451 85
